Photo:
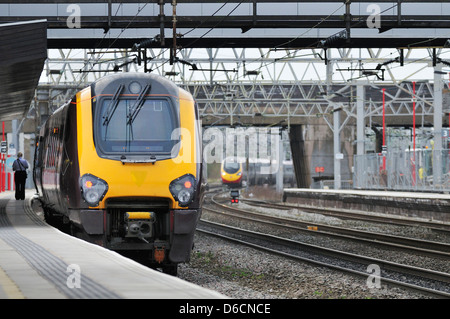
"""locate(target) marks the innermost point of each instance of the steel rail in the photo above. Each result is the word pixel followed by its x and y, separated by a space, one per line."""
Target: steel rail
pixel 251 238
pixel 430 248
pixel 438 250
pixel 355 215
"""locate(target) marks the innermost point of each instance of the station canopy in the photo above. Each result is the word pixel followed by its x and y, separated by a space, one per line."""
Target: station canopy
pixel 23 51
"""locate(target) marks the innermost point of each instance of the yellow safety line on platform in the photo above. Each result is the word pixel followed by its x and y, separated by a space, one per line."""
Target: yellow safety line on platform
pixel 9 287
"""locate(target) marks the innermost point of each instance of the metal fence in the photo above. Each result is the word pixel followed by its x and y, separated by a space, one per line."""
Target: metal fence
pixel 419 170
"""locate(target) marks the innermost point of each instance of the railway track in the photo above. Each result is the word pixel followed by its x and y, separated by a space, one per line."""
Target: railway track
pixel 346 214
pixel 417 246
pixel 424 280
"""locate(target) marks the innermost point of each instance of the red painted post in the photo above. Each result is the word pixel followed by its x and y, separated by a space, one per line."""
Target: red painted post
pixel 414 135
pixel 2 164
pixel 383 150
pixel 414 117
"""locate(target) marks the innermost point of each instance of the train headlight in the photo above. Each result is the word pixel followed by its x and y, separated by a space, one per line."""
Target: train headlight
pixel 93 189
pixel 183 189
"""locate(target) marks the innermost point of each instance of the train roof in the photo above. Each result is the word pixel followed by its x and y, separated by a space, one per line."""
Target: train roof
pixel 158 84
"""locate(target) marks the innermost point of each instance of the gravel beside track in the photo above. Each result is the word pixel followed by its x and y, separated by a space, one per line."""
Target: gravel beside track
pixel 241 272
pixel 394 255
pixel 244 273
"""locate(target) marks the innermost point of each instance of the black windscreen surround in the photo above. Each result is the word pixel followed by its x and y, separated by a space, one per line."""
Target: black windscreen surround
pixel 145 128
pixel 231 167
pixel 136 117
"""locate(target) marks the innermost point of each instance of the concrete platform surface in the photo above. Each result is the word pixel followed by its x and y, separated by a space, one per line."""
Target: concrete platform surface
pixel 399 194
pixel 428 206
pixel 39 261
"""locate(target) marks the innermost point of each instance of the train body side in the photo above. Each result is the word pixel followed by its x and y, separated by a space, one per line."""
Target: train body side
pixel 56 169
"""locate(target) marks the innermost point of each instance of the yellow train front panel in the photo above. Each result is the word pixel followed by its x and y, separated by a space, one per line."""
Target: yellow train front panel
pixel 136 179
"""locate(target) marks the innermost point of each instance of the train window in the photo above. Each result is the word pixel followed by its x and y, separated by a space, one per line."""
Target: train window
pixel 143 128
pixel 231 167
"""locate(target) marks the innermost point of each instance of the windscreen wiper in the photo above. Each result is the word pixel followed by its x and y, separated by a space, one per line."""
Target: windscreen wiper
pixel 113 105
pixel 137 105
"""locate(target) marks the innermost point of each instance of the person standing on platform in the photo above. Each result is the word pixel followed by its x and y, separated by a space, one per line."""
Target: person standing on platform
pixel 20 166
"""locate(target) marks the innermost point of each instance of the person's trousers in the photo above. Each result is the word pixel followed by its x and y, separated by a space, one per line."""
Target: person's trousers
pixel 20 178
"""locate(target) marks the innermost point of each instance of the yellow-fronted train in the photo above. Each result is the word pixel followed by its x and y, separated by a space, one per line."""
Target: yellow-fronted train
pixel 121 165
pixel 231 172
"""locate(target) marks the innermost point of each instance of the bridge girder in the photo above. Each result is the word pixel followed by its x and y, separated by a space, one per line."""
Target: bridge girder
pixel 305 24
pixel 264 86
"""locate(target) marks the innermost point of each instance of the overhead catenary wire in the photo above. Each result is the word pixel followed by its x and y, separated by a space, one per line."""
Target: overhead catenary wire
pixel 315 44
pixel 83 75
pixel 207 32
pixel 290 54
pixel 162 50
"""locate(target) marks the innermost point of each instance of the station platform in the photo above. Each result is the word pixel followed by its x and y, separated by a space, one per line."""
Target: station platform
pixel 429 206
pixel 38 261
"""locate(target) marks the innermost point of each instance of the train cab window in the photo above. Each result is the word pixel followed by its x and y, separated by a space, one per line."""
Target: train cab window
pixel 143 128
pixel 231 167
